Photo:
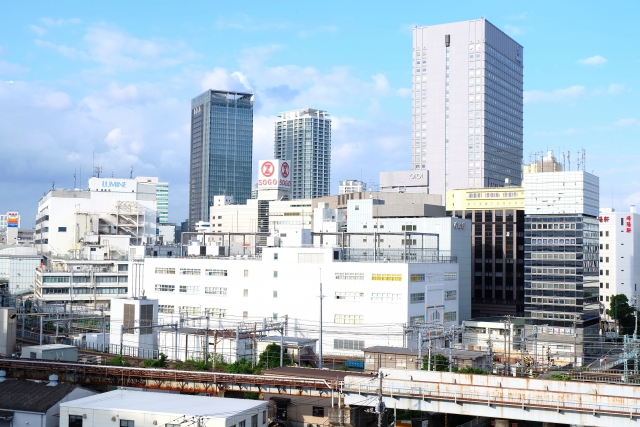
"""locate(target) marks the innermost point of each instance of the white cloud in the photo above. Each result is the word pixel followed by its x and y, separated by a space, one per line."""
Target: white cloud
pixel 404 92
pixel 222 79
pixel 593 60
pixel 54 100
pixel 513 30
pixel 615 89
pixel 9 68
pixel 66 51
pixel 627 122
pixel 243 22
pixel 408 28
pixel 38 30
pixel 558 95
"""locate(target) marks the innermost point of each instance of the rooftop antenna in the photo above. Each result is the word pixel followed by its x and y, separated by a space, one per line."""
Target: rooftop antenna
pixel 81 175
pixel 578 160
pixel 74 179
pixel 584 160
pixel 111 174
pixel 564 159
pixel 569 159
pixel 131 173
pixel 53 185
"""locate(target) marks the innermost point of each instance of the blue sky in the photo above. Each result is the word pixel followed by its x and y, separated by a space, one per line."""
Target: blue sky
pixel 113 81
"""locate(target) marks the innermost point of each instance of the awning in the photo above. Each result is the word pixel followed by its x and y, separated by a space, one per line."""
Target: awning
pixel 6 415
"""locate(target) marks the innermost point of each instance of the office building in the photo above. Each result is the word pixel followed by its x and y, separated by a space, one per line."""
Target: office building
pixel 162 197
pixel 561 261
pixel 351 186
pixel 18 268
pixel 497 230
pixel 141 408
pixel 619 242
pixel 303 137
pixel 221 150
pixel 362 291
pixel 98 223
pixel 467 105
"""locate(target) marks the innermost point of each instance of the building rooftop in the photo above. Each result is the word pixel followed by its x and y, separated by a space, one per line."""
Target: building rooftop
pixel 166 403
pixel 297 372
pixel 456 352
pixel 50 347
pixel 31 396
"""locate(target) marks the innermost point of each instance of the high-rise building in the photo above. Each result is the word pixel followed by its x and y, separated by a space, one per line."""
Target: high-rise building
pixel 162 197
pixel 303 137
pixel 221 150
pixel 561 261
pixel 497 221
pixel 467 106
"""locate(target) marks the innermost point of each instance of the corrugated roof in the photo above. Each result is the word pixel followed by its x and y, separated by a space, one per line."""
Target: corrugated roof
pixel 296 372
pixel 19 395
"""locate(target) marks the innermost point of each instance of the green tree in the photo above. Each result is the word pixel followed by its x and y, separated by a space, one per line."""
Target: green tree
pixel 620 311
pixel 118 361
pixel 469 370
pixel 242 366
pixel 438 362
pixel 161 362
pixel 270 357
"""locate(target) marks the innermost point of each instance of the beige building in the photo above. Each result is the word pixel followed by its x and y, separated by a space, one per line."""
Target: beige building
pixel 467 199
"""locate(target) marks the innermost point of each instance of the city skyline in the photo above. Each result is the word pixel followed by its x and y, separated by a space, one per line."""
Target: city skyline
pixel 104 86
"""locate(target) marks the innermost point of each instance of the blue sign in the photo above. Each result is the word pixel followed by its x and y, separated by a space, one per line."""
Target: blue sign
pixel 115 184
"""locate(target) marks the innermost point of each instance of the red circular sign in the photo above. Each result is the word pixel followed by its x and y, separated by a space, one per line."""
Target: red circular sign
pixel 284 169
pixel 267 169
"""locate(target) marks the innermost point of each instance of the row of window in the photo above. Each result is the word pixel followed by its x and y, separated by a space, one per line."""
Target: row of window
pixel 190 271
pixel 84 291
pixel 557 316
pixel 553 271
pixel 85 279
pixel 553 241
pixel 551 255
pixel 349 319
pixel 547 300
pixel 553 226
pixel 560 286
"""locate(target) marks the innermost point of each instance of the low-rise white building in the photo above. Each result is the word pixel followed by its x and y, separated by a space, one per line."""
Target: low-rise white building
pixel 619 268
pixel 366 299
pixel 351 186
pixel 112 214
pixel 139 408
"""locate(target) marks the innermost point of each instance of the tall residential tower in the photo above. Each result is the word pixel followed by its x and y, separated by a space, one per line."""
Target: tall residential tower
pixel 467 106
pixel 221 150
pixel 304 138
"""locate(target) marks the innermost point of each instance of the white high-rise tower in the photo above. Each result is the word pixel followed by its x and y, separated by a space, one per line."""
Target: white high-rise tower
pixel 467 106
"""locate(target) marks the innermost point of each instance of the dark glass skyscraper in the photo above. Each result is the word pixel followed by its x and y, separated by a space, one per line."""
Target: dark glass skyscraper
pixel 221 150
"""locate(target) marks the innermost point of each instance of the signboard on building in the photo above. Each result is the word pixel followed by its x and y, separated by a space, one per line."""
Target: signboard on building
pixel 113 184
pixel 274 174
pixel 13 220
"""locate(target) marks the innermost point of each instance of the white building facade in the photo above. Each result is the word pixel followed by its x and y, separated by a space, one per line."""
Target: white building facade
pixel 18 267
pixel 619 240
pixel 467 105
pixel 365 303
pixel 111 214
pixel 351 186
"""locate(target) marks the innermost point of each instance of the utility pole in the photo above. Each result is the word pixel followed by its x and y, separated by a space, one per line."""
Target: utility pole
pixel 206 336
pixel 321 297
pixel 575 341
pixel 507 345
pixel 380 404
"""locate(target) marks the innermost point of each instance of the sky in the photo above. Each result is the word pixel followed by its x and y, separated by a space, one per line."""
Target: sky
pixel 110 84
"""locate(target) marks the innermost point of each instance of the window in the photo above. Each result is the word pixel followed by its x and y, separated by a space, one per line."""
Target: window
pixel 387 277
pixel 417 278
pixel 450 276
pixel 194 311
pixel 348 344
pixel 607 272
pixel 607 286
pixel 450 295
pixel 62 229
pixel 242 424
pixel 264 417
pixel 385 297
pixel 349 276
pixel 450 316
pixel 190 271
pixel 416 320
pixel 246 273
pixel 317 411
pixel 350 319
pixel 245 314
pixel 254 420
pixel 311 258
pixel 191 290
pixel 275 255
pixel 357 208
pixel 210 272
pixel 275 294
pixel 168 309
pixel 126 423
pixel 349 295
pixel 275 274
pixel 165 288
pixel 215 291
pixel 75 420
pixel 160 270
pixel 416 298
pixel 246 293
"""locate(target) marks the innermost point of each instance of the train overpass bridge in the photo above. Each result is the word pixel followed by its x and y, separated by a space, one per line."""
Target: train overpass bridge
pixel 566 402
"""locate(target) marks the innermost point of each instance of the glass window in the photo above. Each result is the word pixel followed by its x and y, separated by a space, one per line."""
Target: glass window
pixel 318 411
pixel 126 423
pixel 75 420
